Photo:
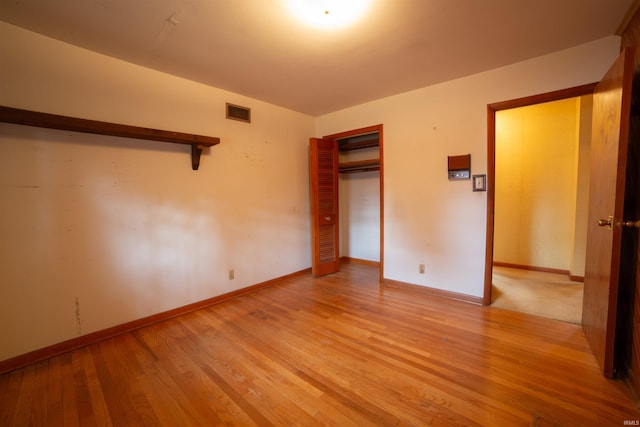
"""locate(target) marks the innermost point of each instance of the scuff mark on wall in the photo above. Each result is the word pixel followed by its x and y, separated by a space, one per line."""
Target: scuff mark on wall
pixel 78 321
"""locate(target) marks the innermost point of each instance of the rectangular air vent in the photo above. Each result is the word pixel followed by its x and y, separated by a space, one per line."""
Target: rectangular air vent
pixel 236 112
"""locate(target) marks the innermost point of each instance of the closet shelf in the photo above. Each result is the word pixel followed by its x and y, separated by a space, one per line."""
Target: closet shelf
pixel 359 166
pixel 357 143
pixel 53 121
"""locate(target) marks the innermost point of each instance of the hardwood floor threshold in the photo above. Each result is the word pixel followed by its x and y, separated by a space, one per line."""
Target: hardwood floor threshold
pixel 23 360
pixel 433 292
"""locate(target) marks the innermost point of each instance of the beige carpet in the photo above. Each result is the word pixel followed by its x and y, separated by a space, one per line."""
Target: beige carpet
pixel 534 292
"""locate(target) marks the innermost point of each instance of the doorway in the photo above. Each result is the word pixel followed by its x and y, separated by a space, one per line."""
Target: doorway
pixel 537 203
pixel 357 177
pixel 609 304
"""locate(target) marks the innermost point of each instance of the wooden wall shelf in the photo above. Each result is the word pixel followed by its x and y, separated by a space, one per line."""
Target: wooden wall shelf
pixel 53 121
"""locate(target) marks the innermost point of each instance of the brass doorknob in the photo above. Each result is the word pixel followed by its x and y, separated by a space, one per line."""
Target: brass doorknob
pixel 606 222
pixel 327 218
pixel 631 224
pixel 618 223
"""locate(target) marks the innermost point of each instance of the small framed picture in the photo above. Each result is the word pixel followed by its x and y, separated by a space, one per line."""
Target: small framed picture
pixel 479 182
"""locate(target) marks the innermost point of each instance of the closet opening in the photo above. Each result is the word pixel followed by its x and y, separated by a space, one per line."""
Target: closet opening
pixel 359 186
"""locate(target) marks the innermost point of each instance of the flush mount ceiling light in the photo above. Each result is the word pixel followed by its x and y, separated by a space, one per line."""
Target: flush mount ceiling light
pixel 328 13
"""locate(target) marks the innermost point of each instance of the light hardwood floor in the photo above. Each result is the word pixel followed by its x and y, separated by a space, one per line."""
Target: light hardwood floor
pixel 339 350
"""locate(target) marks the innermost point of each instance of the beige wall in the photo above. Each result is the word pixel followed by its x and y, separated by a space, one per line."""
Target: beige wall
pixel 577 267
pixel 96 231
pixel 429 219
pixel 537 150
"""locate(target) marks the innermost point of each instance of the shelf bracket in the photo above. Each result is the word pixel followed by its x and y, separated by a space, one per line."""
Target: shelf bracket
pixel 196 152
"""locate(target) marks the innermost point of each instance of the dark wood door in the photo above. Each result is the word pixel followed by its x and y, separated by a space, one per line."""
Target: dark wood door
pixel 611 111
pixel 323 167
pixel 631 240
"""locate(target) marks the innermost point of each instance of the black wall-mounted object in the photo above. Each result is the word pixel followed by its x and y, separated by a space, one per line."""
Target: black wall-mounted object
pixel 459 167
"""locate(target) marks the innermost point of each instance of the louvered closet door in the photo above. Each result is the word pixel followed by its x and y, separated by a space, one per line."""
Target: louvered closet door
pixel 323 179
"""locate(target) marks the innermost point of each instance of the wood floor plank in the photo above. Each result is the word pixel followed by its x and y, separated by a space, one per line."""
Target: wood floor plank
pixel 41 399
pixel 53 383
pixel 290 383
pixel 367 382
pixel 190 358
pixel 208 399
pixel 9 395
pixel 95 393
pixel 338 350
pixel 295 351
pixel 241 369
pixel 26 395
pixel 118 371
pixel 67 384
pixel 82 400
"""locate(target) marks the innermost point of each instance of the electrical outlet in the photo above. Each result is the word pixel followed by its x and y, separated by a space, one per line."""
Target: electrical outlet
pixel 231 274
pixel 421 268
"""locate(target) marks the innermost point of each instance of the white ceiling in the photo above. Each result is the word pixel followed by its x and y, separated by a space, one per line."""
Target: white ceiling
pixel 255 48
